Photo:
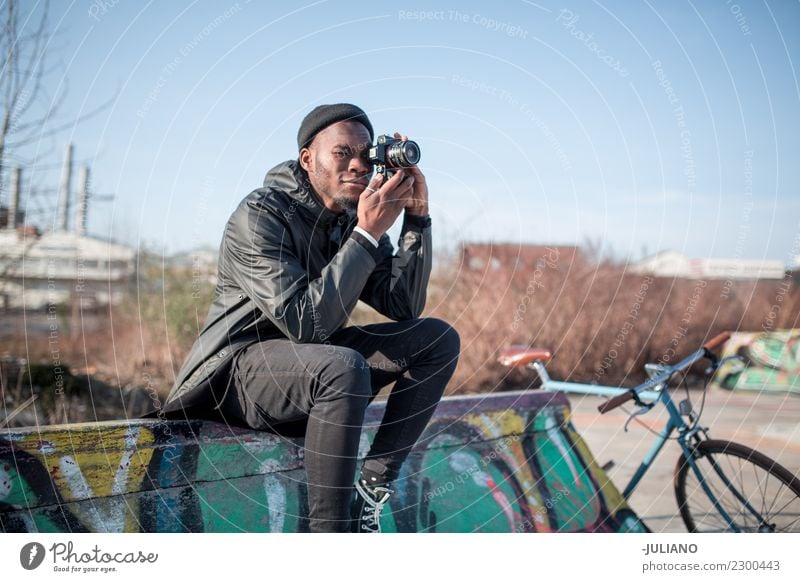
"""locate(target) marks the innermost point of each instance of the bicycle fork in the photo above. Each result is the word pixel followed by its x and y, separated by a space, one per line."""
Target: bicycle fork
pixel 689 441
pixel 689 456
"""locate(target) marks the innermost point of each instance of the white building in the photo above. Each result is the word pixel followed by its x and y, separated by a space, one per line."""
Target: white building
pixel 63 266
pixel 56 268
pixel 674 264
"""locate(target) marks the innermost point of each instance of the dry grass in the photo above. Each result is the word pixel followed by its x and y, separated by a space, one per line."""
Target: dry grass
pixel 601 322
pixel 123 356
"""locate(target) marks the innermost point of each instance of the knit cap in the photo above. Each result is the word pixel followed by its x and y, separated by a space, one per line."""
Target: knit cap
pixel 326 115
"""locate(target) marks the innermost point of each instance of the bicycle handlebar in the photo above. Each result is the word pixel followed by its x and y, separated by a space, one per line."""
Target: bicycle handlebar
pixel 710 345
pixel 616 401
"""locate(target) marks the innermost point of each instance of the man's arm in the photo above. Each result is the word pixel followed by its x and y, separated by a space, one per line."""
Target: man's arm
pixel 398 285
pixel 261 260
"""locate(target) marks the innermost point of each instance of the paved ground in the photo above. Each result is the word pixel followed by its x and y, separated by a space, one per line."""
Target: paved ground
pixel 765 422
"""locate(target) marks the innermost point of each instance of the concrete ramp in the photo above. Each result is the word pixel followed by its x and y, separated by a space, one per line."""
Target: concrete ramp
pixel 510 462
pixel 770 362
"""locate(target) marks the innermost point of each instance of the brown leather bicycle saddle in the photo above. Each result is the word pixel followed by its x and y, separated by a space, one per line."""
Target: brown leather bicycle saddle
pixel 516 356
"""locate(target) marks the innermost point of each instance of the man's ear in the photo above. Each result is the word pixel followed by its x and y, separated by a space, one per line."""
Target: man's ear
pixel 306 159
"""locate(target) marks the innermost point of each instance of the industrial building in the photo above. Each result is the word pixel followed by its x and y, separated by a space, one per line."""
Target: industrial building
pixel 674 264
pixel 63 266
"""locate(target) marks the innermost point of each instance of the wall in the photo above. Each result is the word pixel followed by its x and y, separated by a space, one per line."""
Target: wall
pixel 771 362
pixel 502 463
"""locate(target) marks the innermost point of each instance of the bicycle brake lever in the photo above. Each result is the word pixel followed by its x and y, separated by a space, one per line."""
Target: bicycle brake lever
pixel 644 408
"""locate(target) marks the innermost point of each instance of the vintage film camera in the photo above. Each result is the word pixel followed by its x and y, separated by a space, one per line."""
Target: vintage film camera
pixel 390 154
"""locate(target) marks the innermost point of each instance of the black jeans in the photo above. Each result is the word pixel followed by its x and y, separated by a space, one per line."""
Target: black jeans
pixel 274 382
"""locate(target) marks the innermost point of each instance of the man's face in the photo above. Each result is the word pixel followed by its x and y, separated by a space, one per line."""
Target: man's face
pixel 337 164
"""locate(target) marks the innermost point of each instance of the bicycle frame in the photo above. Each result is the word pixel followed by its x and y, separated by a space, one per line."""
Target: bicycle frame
pixel 652 391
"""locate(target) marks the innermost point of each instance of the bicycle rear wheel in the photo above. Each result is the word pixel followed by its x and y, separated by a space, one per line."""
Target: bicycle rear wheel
pixel 758 494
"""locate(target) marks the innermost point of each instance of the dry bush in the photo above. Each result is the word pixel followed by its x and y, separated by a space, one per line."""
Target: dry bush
pixel 121 357
pixel 602 322
pixel 143 340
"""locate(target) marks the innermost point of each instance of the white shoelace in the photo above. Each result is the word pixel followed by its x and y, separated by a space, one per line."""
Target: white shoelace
pixel 371 519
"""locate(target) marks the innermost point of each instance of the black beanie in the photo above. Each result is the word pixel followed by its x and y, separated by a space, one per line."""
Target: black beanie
pixel 325 115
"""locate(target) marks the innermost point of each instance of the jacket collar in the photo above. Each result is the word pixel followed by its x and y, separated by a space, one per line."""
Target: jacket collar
pixel 289 177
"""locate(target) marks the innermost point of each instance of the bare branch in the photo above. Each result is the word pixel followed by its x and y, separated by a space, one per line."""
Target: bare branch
pixel 29 114
pixel 67 125
pixel 51 113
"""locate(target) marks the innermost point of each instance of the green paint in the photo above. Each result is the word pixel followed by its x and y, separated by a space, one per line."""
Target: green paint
pixel 771 362
pixel 464 490
pixel 571 495
pixel 471 475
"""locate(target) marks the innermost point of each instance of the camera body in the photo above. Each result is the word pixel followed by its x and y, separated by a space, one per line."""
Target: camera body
pixel 389 154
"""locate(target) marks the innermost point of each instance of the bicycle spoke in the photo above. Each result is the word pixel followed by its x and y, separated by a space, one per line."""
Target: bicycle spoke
pixel 785 505
pixel 755 474
pixel 721 493
pixel 712 514
pixel 740 474
pixel 782 489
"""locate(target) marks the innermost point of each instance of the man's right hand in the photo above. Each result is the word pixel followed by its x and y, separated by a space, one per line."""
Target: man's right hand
pixel 382 202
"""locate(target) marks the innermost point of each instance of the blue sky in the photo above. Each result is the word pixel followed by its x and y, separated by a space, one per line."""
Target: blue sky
pixel 646 126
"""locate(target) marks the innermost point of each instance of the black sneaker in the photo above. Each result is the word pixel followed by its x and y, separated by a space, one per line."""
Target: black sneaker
pixel 367 506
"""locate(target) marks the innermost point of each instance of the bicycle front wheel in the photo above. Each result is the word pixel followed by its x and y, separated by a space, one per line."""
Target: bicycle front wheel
pixel 756 493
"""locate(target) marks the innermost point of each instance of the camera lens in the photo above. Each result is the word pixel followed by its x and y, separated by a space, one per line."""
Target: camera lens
pixel 411 153
pixel 402 154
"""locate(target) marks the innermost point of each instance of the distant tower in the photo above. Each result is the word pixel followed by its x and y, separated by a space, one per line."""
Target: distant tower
pixel 83 200
pixel 64 189
pixel 13 205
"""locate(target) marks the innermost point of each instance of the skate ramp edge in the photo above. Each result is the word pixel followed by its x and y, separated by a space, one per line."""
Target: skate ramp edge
pixel 507 462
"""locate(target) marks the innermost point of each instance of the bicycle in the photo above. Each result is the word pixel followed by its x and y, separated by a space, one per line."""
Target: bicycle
pixel 717 483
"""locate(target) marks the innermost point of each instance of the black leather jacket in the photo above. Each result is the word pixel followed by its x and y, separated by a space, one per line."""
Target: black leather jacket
pixel 289 267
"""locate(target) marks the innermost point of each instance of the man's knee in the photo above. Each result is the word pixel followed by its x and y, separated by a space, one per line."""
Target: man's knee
pixel 441 336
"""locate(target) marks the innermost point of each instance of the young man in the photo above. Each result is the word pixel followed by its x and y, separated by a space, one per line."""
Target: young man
pixel 295 258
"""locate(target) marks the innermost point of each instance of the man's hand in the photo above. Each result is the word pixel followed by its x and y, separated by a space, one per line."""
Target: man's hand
pixel 418 203
pixel 381 203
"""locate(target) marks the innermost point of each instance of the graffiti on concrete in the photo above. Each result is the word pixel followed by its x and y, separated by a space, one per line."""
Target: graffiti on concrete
pixel 505 463
pixel 770 362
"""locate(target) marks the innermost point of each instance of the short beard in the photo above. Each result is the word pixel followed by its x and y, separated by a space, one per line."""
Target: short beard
pixel 323 175
pixel 344 202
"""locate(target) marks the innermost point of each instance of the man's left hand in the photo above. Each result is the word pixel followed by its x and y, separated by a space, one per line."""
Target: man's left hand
pixel 418 202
